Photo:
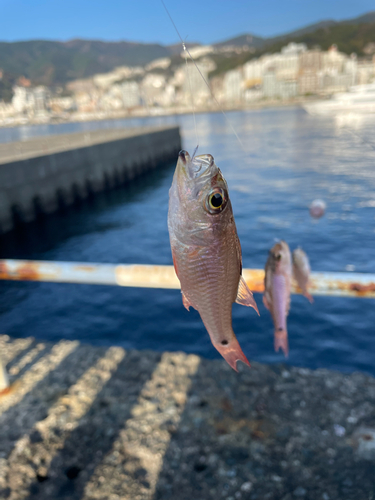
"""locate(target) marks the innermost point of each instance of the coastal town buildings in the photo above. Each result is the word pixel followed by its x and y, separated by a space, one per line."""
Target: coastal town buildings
pixel 166 86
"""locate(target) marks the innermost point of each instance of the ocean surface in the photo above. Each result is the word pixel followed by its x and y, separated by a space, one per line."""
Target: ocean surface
pixel 288 159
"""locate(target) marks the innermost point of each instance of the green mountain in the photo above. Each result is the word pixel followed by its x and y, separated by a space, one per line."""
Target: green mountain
pixel 55 63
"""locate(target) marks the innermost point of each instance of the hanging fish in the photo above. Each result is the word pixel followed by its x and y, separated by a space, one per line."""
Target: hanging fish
pixel 301 271
pixel 277 286
pixel 206 250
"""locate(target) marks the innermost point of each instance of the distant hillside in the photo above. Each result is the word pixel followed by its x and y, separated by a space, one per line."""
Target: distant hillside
pixel 53 63
pixel 176 49
pixel 241 40
pixel 348 37
pixel 311 28
pixel 369 17
pixel 259 42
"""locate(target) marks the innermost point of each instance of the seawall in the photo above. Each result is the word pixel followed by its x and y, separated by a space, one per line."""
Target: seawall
pixel 83 422
pixel 43 174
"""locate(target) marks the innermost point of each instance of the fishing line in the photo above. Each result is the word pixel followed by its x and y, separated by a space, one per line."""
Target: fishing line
pixel 203 78
pixel 191 97
pixel 187 72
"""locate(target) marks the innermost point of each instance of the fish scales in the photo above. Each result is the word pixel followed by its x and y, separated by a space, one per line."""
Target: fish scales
pixel 206 250
pixel 206 284
pixel 280 299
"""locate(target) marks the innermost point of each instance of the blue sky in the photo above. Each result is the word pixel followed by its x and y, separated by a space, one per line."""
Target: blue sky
pixel 205 21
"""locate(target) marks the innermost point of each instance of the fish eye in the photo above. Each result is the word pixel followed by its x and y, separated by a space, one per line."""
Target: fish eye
pixel 216 201
pixel 278 256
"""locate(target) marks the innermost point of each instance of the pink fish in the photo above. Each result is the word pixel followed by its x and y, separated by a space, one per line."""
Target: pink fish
pixel 301 271
pixel 277 285
pixel 206 250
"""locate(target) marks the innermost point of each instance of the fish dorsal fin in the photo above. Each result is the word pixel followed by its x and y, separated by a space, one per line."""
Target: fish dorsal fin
pixel 244 296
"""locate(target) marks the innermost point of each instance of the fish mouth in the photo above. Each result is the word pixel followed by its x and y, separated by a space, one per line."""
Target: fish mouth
pixel 200 165
pixel 184 156
pixel 276 250
pixel 197 166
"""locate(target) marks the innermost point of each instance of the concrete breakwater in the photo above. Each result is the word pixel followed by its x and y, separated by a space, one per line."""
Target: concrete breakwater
pixel 43 174
pixel 83 422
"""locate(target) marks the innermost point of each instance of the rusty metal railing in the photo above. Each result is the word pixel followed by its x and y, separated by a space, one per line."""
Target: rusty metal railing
pixel 148 276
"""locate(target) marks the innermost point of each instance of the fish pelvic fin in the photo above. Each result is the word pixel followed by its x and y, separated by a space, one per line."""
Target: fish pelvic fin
pixel 281 341
pixel 186 302
pixel 265 302
pixel 244 296
pixel 308 296
pixel 231 352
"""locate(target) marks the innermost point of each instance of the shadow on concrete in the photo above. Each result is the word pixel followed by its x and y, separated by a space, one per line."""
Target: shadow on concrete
pixel 17 358
pixel 43 352
pixel 19 419
pixel 272 432
pixel 86 446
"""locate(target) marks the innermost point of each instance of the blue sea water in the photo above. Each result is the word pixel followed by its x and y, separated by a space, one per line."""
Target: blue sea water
pixel 290 158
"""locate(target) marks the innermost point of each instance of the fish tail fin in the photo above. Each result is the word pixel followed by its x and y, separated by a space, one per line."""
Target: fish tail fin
pixel 231 352
pixel 281 341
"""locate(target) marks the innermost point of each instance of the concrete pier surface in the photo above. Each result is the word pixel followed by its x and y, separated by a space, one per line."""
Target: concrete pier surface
pixel 83 422
pixel 45 173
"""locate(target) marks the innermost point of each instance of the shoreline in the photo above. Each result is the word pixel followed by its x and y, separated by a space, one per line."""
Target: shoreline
pixel 122 116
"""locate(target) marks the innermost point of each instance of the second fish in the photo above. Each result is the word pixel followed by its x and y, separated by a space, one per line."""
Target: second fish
pixel 277 285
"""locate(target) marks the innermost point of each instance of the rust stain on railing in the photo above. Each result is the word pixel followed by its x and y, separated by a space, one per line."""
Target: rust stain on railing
pixel 362 289
pixel 10 389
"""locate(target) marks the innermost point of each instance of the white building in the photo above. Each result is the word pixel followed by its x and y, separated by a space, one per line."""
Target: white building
pixel 253 94
pixel 105 80
pixel 130 94
pixel 294 48
pixel 273 88
pixel 41 97
pixel 333 61
pixel 233 86
pixel 253 72
pixel 152 88
pixel 6 110
pixel 287 66
pixel 23 99
pixel 162 63
pixel 198 51
pixel 351 68
pixel 365 71
pixel 270 85
pixel 62 104
pixel 194 86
